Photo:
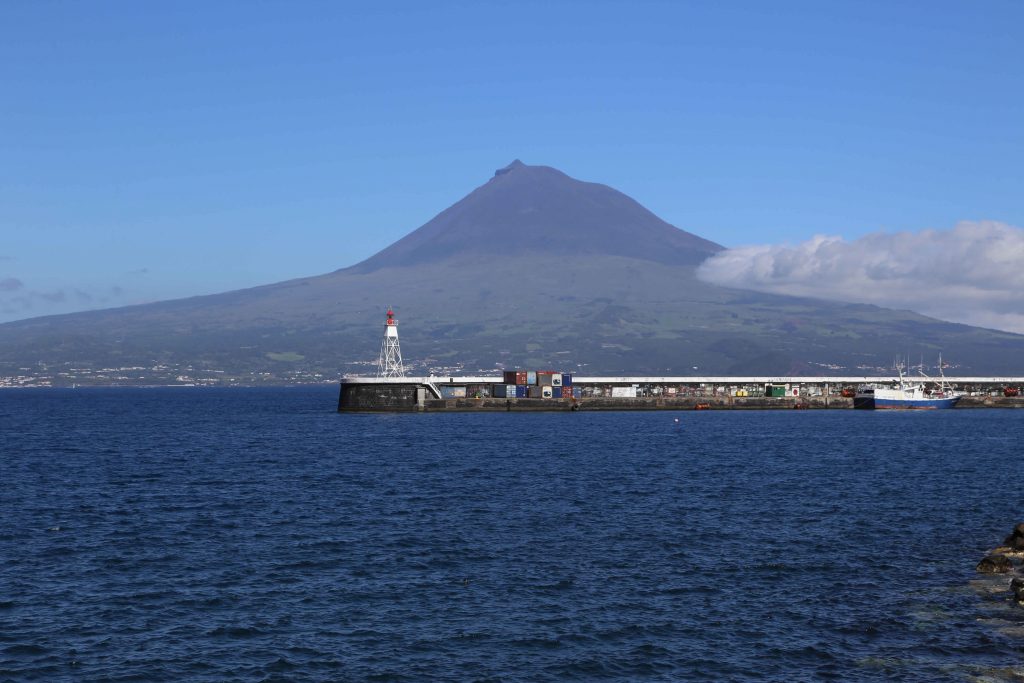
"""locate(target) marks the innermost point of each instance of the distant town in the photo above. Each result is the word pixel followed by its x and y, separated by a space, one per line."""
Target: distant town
pixel 188 375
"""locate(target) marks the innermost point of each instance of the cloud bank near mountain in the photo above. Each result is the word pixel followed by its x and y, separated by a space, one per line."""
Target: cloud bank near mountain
pixel 972 273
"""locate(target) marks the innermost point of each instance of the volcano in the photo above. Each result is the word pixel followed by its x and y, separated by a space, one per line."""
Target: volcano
pixel 531 269
pixel 540 211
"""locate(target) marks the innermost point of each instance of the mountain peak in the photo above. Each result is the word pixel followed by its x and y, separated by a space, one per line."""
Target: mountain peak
pixel 541 211
pixel 516 163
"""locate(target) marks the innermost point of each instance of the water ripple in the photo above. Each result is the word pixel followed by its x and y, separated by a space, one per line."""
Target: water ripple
pixel 209 535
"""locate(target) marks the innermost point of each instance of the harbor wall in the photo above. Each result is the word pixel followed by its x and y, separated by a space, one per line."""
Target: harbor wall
pixel 648 403
pixel 473 394
pixel 379 397
pixel 402 398
pixel 991 402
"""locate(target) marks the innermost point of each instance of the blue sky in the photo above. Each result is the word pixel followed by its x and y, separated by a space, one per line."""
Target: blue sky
pixel 155 151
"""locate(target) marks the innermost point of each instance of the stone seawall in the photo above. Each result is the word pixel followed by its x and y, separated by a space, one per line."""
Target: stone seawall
pixel 991 402
pixel 592 404
pixel 415 398
pixel 388 398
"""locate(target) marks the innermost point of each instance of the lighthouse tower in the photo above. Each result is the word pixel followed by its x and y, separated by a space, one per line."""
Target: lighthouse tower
pixel 390 362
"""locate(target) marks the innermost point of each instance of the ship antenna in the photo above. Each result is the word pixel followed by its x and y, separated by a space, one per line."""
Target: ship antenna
pixel 390 362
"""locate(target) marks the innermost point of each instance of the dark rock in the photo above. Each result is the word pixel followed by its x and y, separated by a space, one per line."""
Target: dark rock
pixel 1017 586
pixel 1016 539
pixel 995 564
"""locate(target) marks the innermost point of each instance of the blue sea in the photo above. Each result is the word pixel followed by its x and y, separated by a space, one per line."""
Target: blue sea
pixel 258 535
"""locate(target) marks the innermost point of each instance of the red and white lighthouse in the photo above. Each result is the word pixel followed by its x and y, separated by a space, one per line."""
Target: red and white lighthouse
pixel 390 362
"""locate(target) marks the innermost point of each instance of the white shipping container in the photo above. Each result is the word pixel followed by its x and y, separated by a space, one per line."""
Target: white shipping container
pixel 545 392
pixel 623 392
pixel 556 380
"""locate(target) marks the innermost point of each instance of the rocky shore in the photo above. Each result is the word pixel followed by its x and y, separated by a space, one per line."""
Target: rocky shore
pixel 1007 559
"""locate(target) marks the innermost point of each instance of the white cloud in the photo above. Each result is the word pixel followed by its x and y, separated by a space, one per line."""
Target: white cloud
pixel 973 273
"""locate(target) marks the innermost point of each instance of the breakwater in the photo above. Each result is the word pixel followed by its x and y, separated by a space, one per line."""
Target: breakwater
pixel 648 403
pixel 464 394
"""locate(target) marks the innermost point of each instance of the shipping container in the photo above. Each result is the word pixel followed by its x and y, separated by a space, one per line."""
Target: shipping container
pixel 546 392
pixel 535 392
pixel 509 377
pixel 556 379
pixel 577 392
pixel 452 391
pixel 544 379
pixel 478 390
pixel 623 392
pixel 531 377
pixel 522 391
pixel 510 391
pixel 556 392
pixel 520 377
pixel 499 391
pixel 566 380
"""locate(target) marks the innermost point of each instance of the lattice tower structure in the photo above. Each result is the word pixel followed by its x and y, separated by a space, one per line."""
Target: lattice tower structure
pixel 390 362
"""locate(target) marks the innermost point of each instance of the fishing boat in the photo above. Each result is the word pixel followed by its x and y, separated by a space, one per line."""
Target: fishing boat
pixel 907 394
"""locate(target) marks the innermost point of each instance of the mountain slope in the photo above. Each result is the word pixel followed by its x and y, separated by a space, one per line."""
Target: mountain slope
pixel 536 209
pixel 531 269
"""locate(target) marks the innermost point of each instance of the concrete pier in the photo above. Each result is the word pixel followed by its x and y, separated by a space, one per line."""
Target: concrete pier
pixel 474 393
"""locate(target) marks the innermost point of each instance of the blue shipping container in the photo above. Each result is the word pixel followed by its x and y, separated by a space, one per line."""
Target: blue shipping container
pixel 531 376
pixel 566 380
pixel 556 392
pixel 577 392
pixel 521 391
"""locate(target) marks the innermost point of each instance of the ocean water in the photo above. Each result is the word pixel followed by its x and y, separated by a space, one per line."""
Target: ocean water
pixel 257 535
